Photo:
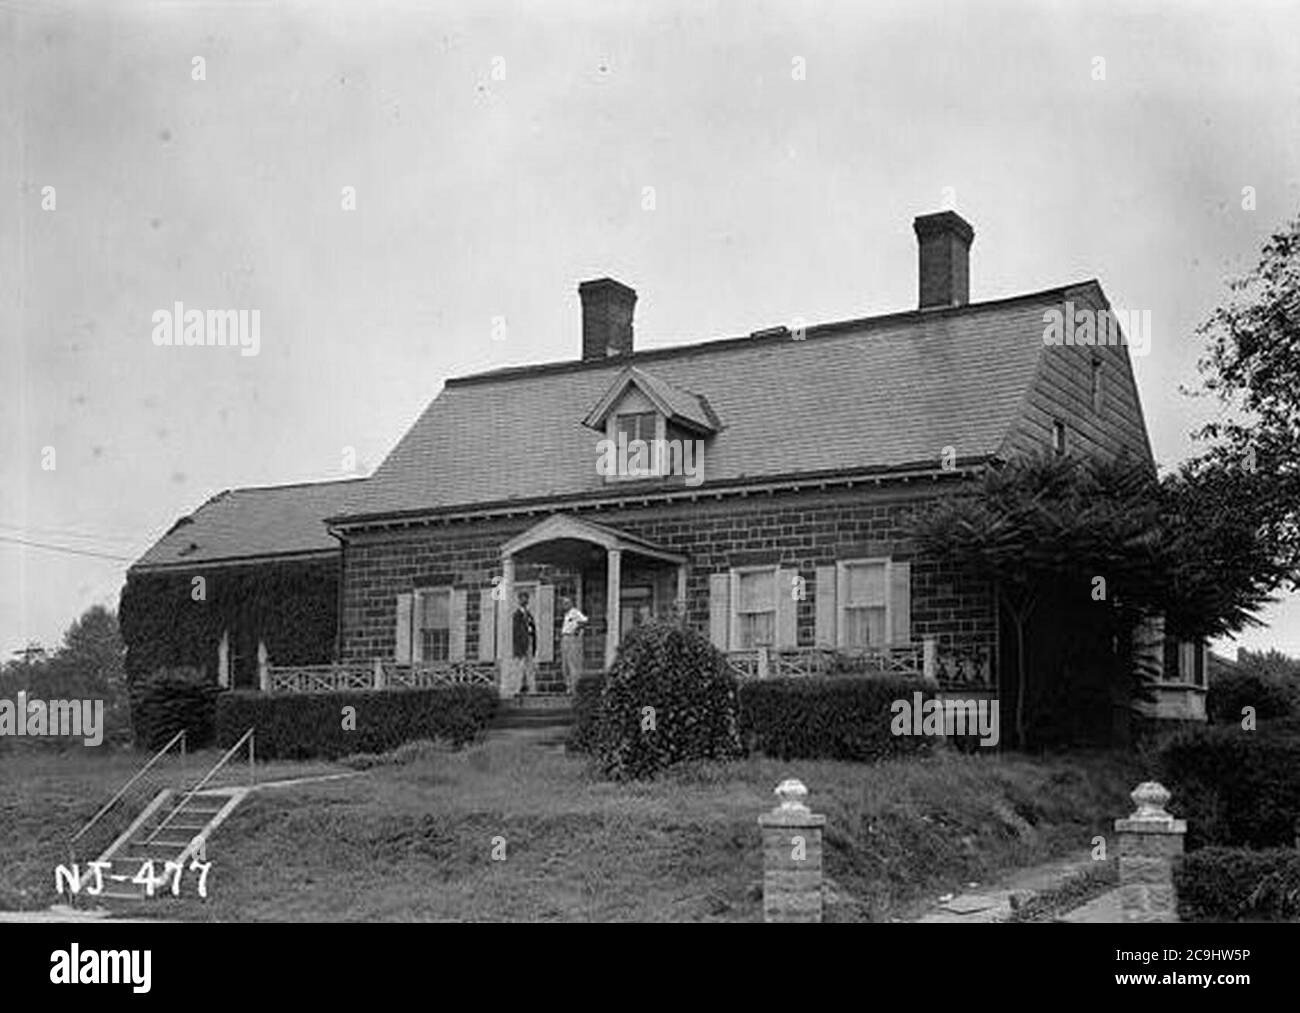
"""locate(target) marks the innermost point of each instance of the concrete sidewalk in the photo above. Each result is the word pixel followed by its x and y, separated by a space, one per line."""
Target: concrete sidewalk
pixel 993 903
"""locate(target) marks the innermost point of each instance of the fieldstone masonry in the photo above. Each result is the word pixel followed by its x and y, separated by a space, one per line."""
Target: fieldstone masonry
pixel 792 858
pixel 1149 840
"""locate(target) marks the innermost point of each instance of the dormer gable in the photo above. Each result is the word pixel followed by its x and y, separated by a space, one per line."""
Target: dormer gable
pixel 634 391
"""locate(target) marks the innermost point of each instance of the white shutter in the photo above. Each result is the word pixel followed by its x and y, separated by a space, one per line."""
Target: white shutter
pixel 487 626
pixel 825 602
pixel 417 641
pixel 841 597
pixel 787 615
pixel 719 609
pixel 402 651
pixel 456 647
pixel 544 615
pixel 900 604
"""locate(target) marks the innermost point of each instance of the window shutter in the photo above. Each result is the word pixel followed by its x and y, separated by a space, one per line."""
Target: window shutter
pixel 417 641
pixel 719 609
pixel 825 602
pixel 544 615
pixel 733 609
pixel 456 635
pixel 787 611
pixel 487 626
pixel 402 652
pixel 841 598
pixel 900 604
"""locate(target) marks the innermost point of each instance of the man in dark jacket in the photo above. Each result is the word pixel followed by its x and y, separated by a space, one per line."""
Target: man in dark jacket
pixel 524 645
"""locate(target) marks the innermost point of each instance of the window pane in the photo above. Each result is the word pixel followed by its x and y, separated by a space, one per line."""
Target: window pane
pixel 437 610
pixel 867 584
pixel 864 627
pixel 757 629
pixel 637 425
pixel 436 645
pixel 756 591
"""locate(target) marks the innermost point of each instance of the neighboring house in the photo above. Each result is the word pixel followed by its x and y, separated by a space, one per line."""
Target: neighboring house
pixel 775 522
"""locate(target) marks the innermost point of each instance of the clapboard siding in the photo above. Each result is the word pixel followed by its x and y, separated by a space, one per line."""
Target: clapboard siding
pixel 1062 389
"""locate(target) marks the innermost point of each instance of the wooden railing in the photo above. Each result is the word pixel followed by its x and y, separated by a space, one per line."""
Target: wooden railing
pixel 381 675
pixel 767 663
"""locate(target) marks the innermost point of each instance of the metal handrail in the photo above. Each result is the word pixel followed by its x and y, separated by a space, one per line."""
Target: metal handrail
pixel 123 790
pixel 206 778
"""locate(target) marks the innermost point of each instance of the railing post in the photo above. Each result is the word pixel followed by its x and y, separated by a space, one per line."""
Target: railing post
pixel 252 765
pixel 263 668
pixel 379 674
pixel 792 858
pixel 762 661
pixel 929 658
pixel 1149 840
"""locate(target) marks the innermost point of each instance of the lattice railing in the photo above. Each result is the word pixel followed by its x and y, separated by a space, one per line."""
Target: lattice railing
pixel 906 659
pixel 386 675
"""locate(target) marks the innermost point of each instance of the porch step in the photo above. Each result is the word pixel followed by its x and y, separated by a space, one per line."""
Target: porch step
pixel 538 701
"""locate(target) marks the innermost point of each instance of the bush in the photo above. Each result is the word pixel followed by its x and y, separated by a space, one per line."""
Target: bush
pixel 1234 787
pixel 309 725
pixel 1235 884
pixel 828 718
pixel 685 679
pixel 170 700
pixel 584 735
pixel 1231 691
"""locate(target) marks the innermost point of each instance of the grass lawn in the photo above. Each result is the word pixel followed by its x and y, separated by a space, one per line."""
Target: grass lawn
pixel 413 838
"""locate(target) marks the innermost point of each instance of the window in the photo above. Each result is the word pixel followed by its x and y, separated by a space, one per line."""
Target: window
pixel 636 459
pixel 755 607
pixel 637 426
pixel 1097 392
pixel 1058 437
pixel 864 609
pixel 433 624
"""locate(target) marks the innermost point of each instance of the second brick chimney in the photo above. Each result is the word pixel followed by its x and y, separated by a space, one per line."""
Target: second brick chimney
pixel 607 307
pixel 943 245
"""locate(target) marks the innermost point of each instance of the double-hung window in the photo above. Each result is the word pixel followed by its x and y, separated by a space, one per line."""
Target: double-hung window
pixel 433 624
pixel 755 607
pixel 864 603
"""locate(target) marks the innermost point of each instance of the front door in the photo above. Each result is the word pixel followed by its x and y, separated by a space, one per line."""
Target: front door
pixel 636 606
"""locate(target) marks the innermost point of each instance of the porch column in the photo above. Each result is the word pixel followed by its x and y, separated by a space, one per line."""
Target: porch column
pixel 681 591
pixel 504 606
pixel 613 578
pixel 223 660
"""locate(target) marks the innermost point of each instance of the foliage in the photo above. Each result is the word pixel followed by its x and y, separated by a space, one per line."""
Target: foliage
pixel 303 726
pixel 88 665
pixel 1237 884
pixel 584 735
pixel 834 718
pixel 172 700
pixel 1252 365
pixel 1235 787
pixel 669 697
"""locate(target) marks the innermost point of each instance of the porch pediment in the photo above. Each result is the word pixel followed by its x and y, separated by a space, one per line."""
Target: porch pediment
pixel 565 527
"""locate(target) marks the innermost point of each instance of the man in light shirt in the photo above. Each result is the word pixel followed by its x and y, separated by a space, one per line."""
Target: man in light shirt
pixel 571 642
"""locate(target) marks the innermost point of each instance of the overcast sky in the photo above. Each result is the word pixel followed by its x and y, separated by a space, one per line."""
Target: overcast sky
pixel 500 153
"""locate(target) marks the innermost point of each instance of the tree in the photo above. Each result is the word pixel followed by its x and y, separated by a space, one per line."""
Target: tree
pixel 1252 365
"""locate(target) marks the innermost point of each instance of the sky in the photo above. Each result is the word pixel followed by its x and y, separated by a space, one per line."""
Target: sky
pixel 741 165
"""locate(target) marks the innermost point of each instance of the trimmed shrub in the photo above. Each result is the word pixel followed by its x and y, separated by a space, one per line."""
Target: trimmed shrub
pixel 1229 692
pixel 170 700
pixel 584 735
pixel 1237 884
pixel 685 679
pixel 309 725
pixel 829 717
pixel 1235 787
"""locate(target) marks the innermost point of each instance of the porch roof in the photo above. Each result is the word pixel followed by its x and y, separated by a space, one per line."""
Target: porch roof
pixel 567 527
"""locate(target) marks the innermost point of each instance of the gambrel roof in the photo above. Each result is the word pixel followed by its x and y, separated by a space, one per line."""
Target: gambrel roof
pixel 886 393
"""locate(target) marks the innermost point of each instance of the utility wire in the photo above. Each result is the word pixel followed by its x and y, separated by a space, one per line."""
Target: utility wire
pixel 65 548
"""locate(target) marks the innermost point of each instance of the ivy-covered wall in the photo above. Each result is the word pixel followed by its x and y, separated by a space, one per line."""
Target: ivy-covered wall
pixel 170 620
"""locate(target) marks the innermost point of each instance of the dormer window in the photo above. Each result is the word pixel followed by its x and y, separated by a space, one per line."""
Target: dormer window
pixel 652 430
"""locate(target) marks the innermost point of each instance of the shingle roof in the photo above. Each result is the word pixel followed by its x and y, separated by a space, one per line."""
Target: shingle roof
pixel 241 524
pixel 884 392
pixel 677 404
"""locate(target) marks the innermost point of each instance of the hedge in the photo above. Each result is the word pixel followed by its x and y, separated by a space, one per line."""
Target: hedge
pixel 171 700
pixel 669 697
pixel 1235 787
pixel 309 725
pixel 1230 691
pixel 1237 884
pixel 832 718
pixel 584 735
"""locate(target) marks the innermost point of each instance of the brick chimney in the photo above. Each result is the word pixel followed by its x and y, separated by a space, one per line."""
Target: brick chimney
pixel 606 318
pixel 943 244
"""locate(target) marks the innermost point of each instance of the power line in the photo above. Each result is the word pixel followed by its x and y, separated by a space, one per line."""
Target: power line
pixel 67 549
pixel 33 529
